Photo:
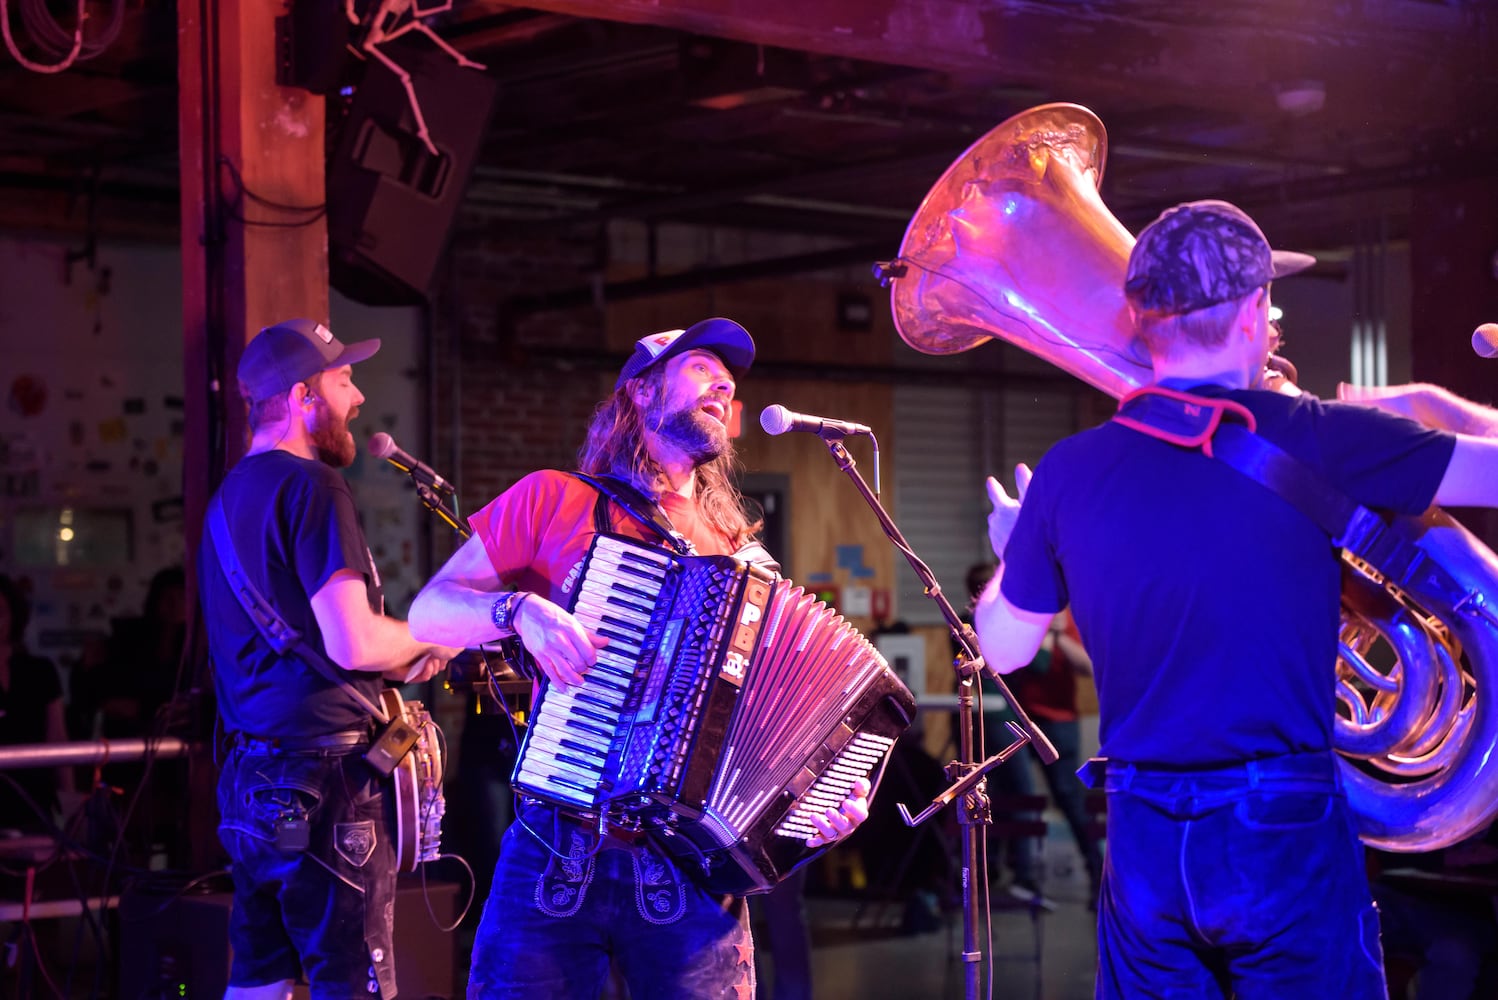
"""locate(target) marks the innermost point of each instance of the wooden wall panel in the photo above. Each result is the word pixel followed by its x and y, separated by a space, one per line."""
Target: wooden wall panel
pixel 792 322
pixel 826 510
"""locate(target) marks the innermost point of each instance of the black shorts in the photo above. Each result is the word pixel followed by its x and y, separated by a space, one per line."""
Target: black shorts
pixel 326 912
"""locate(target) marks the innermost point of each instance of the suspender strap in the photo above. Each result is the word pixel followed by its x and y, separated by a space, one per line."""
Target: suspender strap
pixel 1201 423
pixel 637 505
pixel 276 630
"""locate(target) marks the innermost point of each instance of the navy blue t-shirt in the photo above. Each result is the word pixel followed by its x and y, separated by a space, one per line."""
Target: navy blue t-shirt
pixel 294 525
pixel 1210 605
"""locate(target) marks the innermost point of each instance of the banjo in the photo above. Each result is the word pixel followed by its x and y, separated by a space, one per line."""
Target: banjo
pixel 416 778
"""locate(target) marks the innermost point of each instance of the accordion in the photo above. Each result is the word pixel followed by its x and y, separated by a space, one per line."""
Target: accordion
pixel 728 706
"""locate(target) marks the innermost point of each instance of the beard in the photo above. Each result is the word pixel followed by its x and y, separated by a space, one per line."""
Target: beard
pixel 331 438
pixel 697 435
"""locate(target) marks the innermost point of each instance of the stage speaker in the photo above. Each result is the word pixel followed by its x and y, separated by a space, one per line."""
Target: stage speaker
pixel 177 946
pixel 391 202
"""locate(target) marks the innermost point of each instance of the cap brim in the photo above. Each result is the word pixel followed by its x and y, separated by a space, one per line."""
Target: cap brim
pixel 1289 262
pixel 723 337
pixel 361 350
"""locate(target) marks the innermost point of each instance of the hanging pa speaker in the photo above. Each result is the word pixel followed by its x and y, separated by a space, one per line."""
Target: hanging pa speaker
pixel 391 201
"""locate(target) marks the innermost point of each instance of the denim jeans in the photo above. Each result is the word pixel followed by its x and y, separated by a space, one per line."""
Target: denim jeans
pixel 1246 881
pixel 553 923
pixel 326 912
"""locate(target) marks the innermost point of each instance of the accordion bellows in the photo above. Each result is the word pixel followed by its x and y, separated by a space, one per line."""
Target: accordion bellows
pixel 728 706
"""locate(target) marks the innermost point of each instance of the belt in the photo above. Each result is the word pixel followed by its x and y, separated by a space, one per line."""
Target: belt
pixel 342 739
pixel 1314 766
pixel 619 834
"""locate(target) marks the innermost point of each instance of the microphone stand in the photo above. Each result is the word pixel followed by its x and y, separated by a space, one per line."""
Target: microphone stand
pixel 966 775
pixel 432 501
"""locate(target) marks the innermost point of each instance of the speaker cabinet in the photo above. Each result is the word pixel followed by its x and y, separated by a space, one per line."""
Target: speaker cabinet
pixel 391 202
pixel 178 946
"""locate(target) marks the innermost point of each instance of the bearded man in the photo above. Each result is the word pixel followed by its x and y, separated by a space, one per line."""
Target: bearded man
pixel 303 815
pixel 569 899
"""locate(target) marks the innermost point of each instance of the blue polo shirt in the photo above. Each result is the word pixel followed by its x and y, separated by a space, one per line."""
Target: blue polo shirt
pixel 1209 604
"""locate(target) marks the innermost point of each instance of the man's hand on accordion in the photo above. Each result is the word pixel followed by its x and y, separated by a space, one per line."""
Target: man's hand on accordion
pixel 836 824
pixel 557 641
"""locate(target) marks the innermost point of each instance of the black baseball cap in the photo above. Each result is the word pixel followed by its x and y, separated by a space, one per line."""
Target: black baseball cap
pixel 1199 254
pixel 280 356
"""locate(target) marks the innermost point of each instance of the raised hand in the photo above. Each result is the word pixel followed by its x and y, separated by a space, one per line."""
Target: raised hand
pixel 1005 508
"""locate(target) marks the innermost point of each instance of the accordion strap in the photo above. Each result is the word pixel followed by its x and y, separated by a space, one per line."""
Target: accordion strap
pixel 637 505
pixel 649 513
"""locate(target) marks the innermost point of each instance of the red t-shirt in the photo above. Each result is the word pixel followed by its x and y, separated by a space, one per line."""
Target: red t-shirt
pixel 538 531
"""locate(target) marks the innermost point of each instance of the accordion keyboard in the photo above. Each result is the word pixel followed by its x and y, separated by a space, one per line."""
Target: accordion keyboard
pixel 576 733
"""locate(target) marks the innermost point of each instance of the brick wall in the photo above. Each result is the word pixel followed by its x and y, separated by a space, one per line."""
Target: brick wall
pixel 515 390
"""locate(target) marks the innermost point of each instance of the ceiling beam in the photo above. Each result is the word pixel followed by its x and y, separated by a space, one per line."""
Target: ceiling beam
pixel 1234 54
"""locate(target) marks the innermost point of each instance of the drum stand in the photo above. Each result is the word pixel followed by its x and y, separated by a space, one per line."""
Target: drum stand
pixel 965 774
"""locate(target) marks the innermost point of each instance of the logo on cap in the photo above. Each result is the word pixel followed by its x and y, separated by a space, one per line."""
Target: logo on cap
pixel 658 342
pixel 323 333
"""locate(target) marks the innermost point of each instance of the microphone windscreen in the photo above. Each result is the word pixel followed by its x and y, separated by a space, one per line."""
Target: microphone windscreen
pixel 382 445
pixel 1485 340
pixel 775 419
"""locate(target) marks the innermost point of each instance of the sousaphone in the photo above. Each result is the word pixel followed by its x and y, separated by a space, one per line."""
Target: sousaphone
pixel 1014 243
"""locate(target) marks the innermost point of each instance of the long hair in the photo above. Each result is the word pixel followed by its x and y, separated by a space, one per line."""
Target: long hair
pixel 615 445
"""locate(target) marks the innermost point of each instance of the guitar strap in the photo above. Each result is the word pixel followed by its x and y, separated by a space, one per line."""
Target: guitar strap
pixel 284 639
pixel 1225 430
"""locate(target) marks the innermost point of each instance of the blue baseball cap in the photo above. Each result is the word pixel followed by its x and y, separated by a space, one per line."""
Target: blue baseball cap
pixel 723 337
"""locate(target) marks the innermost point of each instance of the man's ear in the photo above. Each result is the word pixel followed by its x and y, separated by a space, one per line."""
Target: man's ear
pixel 642 393
pixel 1248 311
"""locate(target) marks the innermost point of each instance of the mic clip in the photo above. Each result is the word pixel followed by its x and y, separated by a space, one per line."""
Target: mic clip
pixel 886 271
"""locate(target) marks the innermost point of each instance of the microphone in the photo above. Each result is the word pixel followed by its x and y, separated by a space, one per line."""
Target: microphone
pixel 776 419
pixel 1485 340
pixel 382 445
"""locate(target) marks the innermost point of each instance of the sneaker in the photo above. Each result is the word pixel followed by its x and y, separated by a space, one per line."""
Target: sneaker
pixel 1030 894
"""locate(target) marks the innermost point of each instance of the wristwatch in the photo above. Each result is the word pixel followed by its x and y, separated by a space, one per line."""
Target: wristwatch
pixel 503 611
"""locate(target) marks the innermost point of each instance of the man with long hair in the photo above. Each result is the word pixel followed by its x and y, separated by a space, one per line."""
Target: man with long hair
pixel 1210 606
pixel 304 816
pixel 567 898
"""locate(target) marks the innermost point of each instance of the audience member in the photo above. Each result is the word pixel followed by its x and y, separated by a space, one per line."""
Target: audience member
pixel 30 712
pixel 1047 690
pixel 1010 782
pixel 122 691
